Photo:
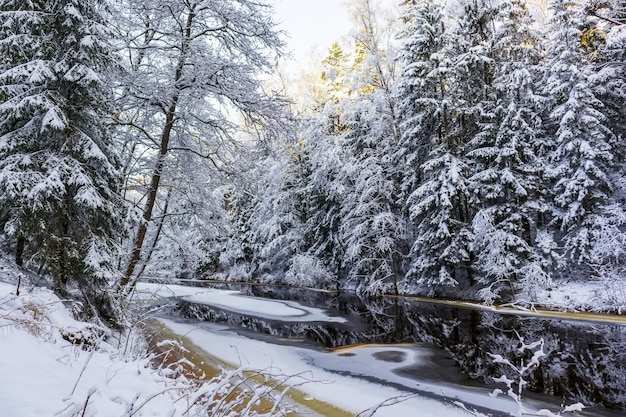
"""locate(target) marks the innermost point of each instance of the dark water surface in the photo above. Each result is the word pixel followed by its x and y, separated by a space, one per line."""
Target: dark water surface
pixel 584 361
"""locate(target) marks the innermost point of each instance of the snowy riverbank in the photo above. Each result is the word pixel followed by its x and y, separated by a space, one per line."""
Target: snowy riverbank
pixel 46 371
pixel 355 378
pixel 55 365
pixel 44 374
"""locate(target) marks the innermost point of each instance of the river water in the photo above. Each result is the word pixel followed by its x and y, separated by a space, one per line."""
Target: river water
pixel 584 361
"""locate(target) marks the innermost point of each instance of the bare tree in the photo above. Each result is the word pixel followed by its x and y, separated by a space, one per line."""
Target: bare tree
pixel 192 88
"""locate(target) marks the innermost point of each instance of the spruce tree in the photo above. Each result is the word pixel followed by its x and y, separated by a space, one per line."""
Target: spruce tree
pixel 581 162
pixel 277 223
pixel 373 228
pixel 446 117
pixel 435 186
pixel 421 86
pixel 58 171
pixel 324 193
pixel 506 156
pixel 604 45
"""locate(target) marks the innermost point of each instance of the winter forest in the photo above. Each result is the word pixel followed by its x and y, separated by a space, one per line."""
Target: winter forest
pixel 467 149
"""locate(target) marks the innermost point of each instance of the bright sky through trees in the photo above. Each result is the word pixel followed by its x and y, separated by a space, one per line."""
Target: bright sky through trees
pixel 310 24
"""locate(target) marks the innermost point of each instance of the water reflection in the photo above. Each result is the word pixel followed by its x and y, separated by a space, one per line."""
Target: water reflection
pixel 585 362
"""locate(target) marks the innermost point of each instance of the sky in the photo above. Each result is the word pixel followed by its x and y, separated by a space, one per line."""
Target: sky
pixel 311 23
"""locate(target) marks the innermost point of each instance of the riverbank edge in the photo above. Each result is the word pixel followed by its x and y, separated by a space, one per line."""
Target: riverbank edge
pixel 205 361
pixel 518 309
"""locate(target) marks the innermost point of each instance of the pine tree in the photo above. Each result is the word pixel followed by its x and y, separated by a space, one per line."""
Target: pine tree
pixel 323 188
pixel 439 208
pixel 242 245
pixel 58 170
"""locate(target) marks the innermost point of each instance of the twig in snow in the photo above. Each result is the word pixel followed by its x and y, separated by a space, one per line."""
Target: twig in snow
pixel 387 403
pixel 82 371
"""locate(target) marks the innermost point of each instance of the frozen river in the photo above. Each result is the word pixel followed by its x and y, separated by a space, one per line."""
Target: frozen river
pixel 435 359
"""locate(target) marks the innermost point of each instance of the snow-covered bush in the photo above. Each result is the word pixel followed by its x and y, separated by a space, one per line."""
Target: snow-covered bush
pixel 533 278
pixel 607 256
pixel 44 315
pixel 308 271
pixel 519 375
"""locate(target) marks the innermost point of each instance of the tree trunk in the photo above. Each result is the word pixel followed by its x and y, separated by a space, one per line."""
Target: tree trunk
pixel 394 269
pixel 60 279
pixel 170 117
pixel 152 195
pixel 156 236
pixel 62 275
pixel 19 251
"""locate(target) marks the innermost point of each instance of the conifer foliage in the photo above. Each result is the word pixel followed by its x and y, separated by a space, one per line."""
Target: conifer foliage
pixel 59 178
pixel 489 164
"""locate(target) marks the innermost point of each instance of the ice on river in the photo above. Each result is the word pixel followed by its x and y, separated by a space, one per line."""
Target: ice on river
pixel 236 302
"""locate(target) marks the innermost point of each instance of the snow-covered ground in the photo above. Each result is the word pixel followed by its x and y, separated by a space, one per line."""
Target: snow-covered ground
pixel 349 393
pixel 43 374
pixel 54 365
pixel 595 296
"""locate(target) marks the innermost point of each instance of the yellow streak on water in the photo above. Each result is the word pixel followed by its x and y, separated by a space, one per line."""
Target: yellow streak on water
pixel 519 311
pixel 348 348
pixel 497 308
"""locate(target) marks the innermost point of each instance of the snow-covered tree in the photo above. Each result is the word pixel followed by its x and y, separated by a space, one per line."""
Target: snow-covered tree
pixel 324 194
pixel 58 171
pixel 421 87
pixel 190 224
pixel 192 87
pixel 235 255
pixel 604 44
pixel 506 154
pixel 438 106
pixel 582 159
pixel 609 79
pixel 373 229
pixel 439 208
pixel 278 221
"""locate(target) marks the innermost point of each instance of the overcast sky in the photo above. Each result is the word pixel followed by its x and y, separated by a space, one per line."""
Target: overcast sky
pixel 312 23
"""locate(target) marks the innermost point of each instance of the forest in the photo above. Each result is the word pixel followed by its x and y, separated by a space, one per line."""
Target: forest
pixel 465 149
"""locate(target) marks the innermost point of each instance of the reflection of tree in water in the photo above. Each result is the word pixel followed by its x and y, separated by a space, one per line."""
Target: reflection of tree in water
pixel 326 335
pixel 585 362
